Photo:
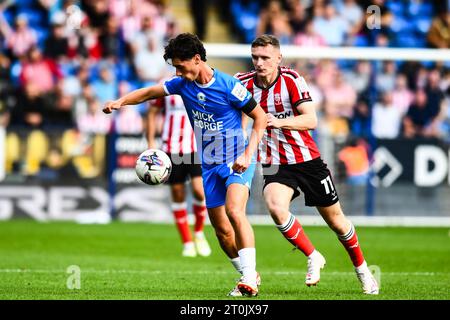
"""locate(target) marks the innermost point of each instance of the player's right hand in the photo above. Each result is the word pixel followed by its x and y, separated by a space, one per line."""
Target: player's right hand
pixel 111 105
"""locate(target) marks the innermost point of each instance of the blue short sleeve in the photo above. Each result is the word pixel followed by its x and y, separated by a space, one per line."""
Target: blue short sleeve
pixel 238 95
pixel 172 86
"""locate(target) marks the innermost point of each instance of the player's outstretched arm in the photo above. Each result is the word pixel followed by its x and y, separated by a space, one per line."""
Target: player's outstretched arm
pixel 135 97
pixel 307 120
pixel 259 125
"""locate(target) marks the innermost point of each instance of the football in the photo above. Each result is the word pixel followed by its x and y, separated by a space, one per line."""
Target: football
pixel 153 166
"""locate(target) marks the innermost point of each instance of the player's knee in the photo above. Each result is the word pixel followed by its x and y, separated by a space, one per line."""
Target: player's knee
pixel 224 235
pixel 277 211
pixel 199 195
pixel 178 194
pixel 235 214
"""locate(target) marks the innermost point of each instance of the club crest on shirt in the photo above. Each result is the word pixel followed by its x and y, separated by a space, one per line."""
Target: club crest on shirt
pixel 201 99
pixel 277 98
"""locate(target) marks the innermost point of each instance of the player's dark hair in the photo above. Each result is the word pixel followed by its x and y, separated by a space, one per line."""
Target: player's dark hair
pixel 184 47
pixel 265 40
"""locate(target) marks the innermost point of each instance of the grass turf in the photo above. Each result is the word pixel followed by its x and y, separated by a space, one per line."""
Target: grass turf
pixel 143 261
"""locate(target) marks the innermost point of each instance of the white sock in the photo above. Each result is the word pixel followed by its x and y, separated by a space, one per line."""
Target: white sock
pixel 248 262
pixel 363 267
pixel 189 244
pixel 199 235
pixel 236 262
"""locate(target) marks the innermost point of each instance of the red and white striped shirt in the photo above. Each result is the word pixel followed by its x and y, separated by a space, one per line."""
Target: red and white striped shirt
pixel 282 146
pixel 178 136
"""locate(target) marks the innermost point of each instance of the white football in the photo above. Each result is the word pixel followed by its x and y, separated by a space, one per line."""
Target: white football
pixel 153 166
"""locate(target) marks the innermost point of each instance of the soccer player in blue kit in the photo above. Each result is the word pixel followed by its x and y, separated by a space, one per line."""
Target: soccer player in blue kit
pixel 214 102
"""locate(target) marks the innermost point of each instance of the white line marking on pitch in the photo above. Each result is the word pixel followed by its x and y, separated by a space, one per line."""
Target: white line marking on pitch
pixel 333 273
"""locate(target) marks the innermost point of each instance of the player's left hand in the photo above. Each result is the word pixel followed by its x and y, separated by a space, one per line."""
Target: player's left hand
pixel 241 164
pixel 273 121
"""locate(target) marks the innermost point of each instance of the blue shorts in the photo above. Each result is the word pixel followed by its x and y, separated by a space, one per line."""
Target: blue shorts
pixel 217 179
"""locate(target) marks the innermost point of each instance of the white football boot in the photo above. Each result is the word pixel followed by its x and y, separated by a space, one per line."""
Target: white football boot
pixel 368 283
pixel 316 262
pixel 201 245
pixel 235 292
pixel 189 250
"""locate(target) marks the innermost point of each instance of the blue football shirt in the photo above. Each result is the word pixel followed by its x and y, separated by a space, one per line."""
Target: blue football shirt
pixel 214 110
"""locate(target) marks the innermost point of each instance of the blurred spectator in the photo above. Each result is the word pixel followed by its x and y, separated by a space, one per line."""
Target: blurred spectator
pixel 31 109
pixel 119 9
pixel 340 98
pixel 84 43
pixel 82 101
pixel 57 45
pixel 105 87
pixel 332 27
pixel 61 108
pixel 385 80
pixel 94 121
pixel 434 93
pixel 362 118
pixel 112 44
pixel 150 65
pixel 20 39
pixel 39 71
pixel 386 118
pixel 146 35
pixel 297 17
pixel 356 161
pixel 359 76
pixel 199 12
pixel 128 120
pixel 353 14
pixel 309 38
pixel 273 19
pixel 439 34
pixel 73 83
pixel 97 11
pixel 131 23
pixel 421 120
pixel 401 95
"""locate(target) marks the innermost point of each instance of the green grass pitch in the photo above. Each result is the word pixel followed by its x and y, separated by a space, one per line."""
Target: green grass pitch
pixel 143 261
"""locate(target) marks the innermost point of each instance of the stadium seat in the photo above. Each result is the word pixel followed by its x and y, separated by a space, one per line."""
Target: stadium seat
pixel 35 19
pixel 12 151
pixel 36 152
pixel 25 3
pixel 9 16
pixel 396 7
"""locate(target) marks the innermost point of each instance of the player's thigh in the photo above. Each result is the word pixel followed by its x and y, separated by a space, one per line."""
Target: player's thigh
pixel 237 197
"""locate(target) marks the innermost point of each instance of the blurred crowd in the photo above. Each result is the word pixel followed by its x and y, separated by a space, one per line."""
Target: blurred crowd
pixel 60 60
pixel 384 99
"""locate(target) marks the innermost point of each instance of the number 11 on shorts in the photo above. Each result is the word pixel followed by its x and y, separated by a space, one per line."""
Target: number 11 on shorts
pixel 328 184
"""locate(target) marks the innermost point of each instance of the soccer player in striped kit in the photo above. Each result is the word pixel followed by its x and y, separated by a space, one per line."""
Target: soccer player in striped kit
pixel 178 141
pixel 291 160
pixel 215 102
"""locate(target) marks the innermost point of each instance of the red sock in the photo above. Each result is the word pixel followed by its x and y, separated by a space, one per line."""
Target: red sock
pixel 292 230
pixel 200 215
pixel 351 244
pixel 181 220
